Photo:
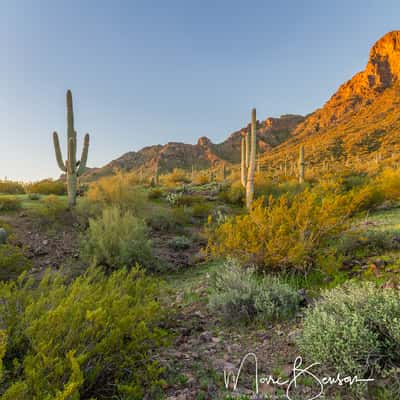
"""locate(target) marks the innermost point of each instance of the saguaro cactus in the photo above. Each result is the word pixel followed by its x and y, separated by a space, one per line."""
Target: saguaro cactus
pixel 71 166
pixel 248 159
pixel 301 164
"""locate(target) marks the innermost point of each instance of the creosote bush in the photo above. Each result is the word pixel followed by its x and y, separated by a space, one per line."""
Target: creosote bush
pixel 117 239
pixel 10 203
pixel 241 296
pixel 47 186
pixel 288 232
pixel 355 330
pixel 117 190
pixel 12 262
pixel 93 338
pixel 11 187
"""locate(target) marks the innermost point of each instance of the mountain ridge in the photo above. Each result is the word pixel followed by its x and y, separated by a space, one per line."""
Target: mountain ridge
pixel 362 113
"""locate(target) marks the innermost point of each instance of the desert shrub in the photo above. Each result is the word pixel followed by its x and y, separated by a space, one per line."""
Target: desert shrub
pixel 353 180
pixel 11 187
pixel 368 243
pixel 117 239
pixel 34 196
pixel 47 186
pixel 187 200
pixel 239 295
pixel 94 338
pixel 366 198
pixel 173 199
pixel 117 190
pixel 201 179
pixel 155 194
pixel 10 203
pixel 288 232
pixel 355 330
pixel 12 262
pixel 235 194
pixel 389 182
pixel 176 177
pixel 53 209
pixel 180 243
pixel 3 346
pixel 201 210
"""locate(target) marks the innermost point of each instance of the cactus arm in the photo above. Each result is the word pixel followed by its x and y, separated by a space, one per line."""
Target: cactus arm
pixel 84 156
pixel 57 149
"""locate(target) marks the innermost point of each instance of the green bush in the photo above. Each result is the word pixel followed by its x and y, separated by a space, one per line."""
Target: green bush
pixel 117 239
pixel 355 330
pixel 189 200
pixel 180 243
pixel 239 295
pixel 155 194
pixel 47 186
pixel 201 210
pixel 94 338
pixel 368 243
pixel 10 203
pixel 52 210
pixel 10 187
pixel 287 233
pixel 12 262
pixel 33 196
pixel 117 190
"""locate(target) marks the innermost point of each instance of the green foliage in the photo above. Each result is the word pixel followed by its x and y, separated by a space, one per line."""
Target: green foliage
pixel 239 295
pixel 47 186
pixel 11 187
pixel 155 194
pixel 288 232
pixel 180 243
pixel 33 196
pixel 175 178
pixel 93 338
pixel 355 330
pixel 117 190
pixel 368 243
pixel 201 210
pixel 10 203
pixel 117 239
pixel 53 209
pixel 12 262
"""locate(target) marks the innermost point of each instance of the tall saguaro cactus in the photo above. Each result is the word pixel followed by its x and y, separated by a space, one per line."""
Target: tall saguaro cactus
pixel 71 166
pixel 248 159
pixel 301 164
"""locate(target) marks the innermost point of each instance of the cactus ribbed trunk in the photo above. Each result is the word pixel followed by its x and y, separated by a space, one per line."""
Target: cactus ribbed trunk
pixel 71 167
pixel 252 160
pixel 243 168
pixel 301 164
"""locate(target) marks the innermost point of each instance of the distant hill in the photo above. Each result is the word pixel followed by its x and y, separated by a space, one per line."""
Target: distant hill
pixel 203 154
pixel 361 120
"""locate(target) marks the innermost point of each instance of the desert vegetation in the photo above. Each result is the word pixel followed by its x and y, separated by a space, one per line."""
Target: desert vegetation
pixel 149 279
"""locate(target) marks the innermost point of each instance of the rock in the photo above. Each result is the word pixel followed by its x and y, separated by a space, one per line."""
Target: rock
pixel 206 337
pixel 3 236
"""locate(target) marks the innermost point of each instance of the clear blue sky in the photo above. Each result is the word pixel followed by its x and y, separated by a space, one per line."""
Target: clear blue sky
pixel 147 72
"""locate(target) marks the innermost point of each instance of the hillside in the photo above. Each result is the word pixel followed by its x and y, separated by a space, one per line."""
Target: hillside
pixel 203 154
pixel 360 122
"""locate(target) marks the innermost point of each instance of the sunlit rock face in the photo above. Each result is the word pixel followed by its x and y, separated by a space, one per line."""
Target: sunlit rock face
pixel 382 72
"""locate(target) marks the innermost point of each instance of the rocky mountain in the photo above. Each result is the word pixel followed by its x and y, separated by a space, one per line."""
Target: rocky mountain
pixel 361 118
pixel 360 121
pixel 203 154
